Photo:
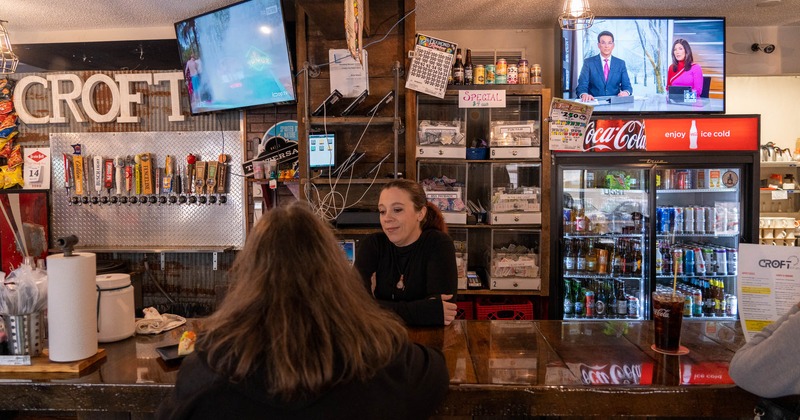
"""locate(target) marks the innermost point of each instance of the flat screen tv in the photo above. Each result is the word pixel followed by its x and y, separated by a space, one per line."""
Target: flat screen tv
pixel 642 64
pixel 236 57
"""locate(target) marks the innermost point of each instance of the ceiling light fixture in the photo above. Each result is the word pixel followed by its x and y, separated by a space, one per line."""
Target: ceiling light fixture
pixel 576 15
pixel 767 3
pixel 8 60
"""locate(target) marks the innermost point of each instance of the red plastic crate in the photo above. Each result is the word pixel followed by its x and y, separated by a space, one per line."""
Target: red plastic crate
pixel 465 310
pixel 504 308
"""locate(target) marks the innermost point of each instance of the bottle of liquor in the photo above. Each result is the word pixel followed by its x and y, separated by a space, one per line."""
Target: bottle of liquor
pixel 458 69
pixel 591 258
pixel 469 78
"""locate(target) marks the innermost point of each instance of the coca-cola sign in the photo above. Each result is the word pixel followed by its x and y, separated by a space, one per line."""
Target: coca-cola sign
pixel 615 136
pixel 611 374
pixel 661 312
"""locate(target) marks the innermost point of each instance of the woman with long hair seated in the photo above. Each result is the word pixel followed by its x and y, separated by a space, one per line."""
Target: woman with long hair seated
pixel 298 336
pixel 684 71
pixel 410 266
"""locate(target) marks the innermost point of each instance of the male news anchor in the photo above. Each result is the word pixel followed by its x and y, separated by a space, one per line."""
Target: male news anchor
pixel 602 74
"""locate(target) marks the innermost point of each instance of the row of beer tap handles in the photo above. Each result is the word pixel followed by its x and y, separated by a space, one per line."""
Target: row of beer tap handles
pixel 137 179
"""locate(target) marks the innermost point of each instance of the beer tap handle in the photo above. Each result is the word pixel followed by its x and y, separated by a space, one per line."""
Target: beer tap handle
pixel 119 163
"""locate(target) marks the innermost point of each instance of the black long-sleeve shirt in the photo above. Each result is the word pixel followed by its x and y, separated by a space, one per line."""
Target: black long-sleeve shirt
pixel 428 267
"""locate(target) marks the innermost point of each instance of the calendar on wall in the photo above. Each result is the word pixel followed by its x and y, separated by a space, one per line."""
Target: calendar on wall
pixel 430 67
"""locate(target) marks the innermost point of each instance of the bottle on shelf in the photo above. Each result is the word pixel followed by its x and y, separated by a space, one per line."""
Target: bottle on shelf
pixel 569 306
pixel 580 258
pixel 622 300
pixel 458 69
pixel 600 300
pixel 659 260
pixel 569 256
pixel 591 258
pixel 469 78
pixel 578 300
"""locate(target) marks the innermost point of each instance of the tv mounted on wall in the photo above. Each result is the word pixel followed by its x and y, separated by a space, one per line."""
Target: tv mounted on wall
pixel 236 57
pixel 645 47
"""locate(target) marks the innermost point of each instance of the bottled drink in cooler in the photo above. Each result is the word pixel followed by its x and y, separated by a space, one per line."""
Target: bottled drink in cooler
pixel 580 258
pixel 568 304
pixel 570 261
pixel 600 301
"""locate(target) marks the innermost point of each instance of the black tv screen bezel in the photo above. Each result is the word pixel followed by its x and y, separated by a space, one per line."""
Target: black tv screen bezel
pixel 560 59
pixel 289 49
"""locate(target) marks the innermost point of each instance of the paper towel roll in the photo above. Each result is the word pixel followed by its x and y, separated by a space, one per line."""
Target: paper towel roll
pixel 71 306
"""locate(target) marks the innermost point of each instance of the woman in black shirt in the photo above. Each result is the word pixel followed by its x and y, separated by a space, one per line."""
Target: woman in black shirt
pixel 410 266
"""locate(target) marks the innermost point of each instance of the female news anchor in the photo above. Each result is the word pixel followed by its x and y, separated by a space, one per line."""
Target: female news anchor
pixel 411 265
pixel 684 71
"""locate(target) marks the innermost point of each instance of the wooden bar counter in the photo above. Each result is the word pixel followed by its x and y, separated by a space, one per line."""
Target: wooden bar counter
pixel 508 368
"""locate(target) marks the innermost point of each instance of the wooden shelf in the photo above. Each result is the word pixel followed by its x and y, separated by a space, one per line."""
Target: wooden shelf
pixel 340 121
pixel 510 89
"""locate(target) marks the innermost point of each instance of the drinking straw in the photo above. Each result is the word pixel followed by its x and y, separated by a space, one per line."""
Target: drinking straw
pixel 674 277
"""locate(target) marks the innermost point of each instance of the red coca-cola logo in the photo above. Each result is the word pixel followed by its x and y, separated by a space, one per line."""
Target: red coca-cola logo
pixel 612 373
pixel 615 136
pixel 37 156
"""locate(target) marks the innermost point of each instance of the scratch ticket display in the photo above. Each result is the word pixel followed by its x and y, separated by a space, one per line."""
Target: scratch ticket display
pixel 568 122
pixel 430 67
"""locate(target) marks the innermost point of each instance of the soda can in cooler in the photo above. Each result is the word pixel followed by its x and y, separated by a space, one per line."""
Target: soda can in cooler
pixel 688 262
pixel 688 220
pixel 733 220
pixel 678 220
pixel 711 219
pixel 633 307
pixel 687 304
pixel 699 262
pixel 589 304
pixel 677 260
pixel 733 261
pixel 666 222
pixel 666 180
pixel 731 308
pixel 721 261
pixel 697 297
pixel 708 258
pixel 699 220
pixel 721 221
pixel 659 216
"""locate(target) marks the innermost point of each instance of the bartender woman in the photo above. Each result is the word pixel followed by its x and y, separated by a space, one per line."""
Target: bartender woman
pixel 410 266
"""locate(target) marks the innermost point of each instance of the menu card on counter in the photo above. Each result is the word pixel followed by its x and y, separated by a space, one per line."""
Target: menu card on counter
pixel 769 284
pixel 568 122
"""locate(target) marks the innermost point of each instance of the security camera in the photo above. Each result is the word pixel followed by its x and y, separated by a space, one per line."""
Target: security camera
pixel 767 48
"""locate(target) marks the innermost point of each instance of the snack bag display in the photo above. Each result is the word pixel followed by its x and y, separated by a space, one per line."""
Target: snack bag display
pixel 11 177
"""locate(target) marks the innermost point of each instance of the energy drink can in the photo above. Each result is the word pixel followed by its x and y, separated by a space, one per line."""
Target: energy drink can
pixel 733 261
pixel 731 305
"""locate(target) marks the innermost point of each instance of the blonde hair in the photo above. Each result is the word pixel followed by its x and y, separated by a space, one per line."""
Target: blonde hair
pixel 298 312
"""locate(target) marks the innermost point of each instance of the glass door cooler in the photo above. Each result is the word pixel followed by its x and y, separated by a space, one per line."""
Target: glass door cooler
pixel 604 241
pixel 643 204
pixel 698 230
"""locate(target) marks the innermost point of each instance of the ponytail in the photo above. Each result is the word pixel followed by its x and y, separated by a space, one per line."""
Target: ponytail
pixel 433 218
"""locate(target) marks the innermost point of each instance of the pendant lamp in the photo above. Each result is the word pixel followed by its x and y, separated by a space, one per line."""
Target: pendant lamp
pixel 576 15
pixel 8 60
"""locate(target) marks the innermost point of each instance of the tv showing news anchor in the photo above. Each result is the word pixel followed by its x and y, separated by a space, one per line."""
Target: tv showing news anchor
pixel 640 65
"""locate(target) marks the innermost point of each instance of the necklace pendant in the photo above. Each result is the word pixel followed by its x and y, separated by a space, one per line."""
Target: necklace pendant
pixel 400 285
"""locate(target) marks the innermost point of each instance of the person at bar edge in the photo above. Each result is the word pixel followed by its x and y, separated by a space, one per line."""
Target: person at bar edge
pixel 603 74
pixel 410 266
pixel 769 364
pixel 298 336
